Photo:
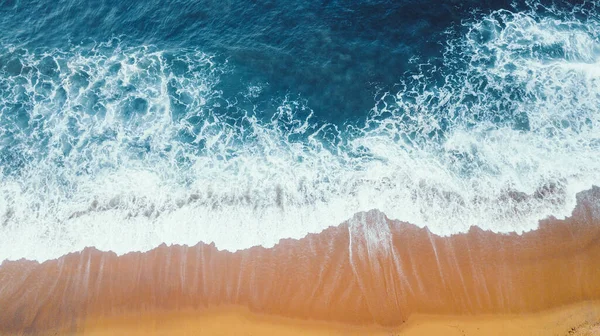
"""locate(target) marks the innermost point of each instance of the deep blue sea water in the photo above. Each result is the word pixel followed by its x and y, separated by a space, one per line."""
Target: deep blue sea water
pixel 336 55
pixel 125 124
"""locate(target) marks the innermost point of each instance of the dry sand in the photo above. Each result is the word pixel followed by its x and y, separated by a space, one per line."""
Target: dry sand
pixel 573 320
pixel 369 275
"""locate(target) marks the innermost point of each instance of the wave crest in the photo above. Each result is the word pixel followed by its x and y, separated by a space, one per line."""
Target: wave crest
pixel 125 148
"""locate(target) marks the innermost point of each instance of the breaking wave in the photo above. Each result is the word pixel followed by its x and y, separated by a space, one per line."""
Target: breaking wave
pixel 125 147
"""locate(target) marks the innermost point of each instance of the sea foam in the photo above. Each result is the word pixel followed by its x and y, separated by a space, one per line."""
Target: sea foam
pixel 126 147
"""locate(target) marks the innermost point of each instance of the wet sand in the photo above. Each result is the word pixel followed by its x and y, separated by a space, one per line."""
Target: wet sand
pixel 369 275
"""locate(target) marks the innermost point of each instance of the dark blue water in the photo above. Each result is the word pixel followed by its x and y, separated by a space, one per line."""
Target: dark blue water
pixel 154 118
pixel 337 55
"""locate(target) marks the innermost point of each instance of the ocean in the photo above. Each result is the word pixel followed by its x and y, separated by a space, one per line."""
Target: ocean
pixel 128 124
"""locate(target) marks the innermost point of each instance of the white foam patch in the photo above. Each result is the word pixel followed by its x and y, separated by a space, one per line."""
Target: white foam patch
pixel 124 148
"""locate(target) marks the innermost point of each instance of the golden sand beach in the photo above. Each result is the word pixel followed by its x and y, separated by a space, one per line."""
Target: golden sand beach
pixel 368 276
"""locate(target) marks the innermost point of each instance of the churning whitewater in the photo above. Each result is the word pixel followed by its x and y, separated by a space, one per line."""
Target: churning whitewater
pixel 124 146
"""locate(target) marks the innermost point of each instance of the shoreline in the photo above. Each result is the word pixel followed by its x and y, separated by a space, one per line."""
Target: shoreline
pixel 369 272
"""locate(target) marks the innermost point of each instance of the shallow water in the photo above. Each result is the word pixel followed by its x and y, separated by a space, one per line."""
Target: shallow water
pixel 125 124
